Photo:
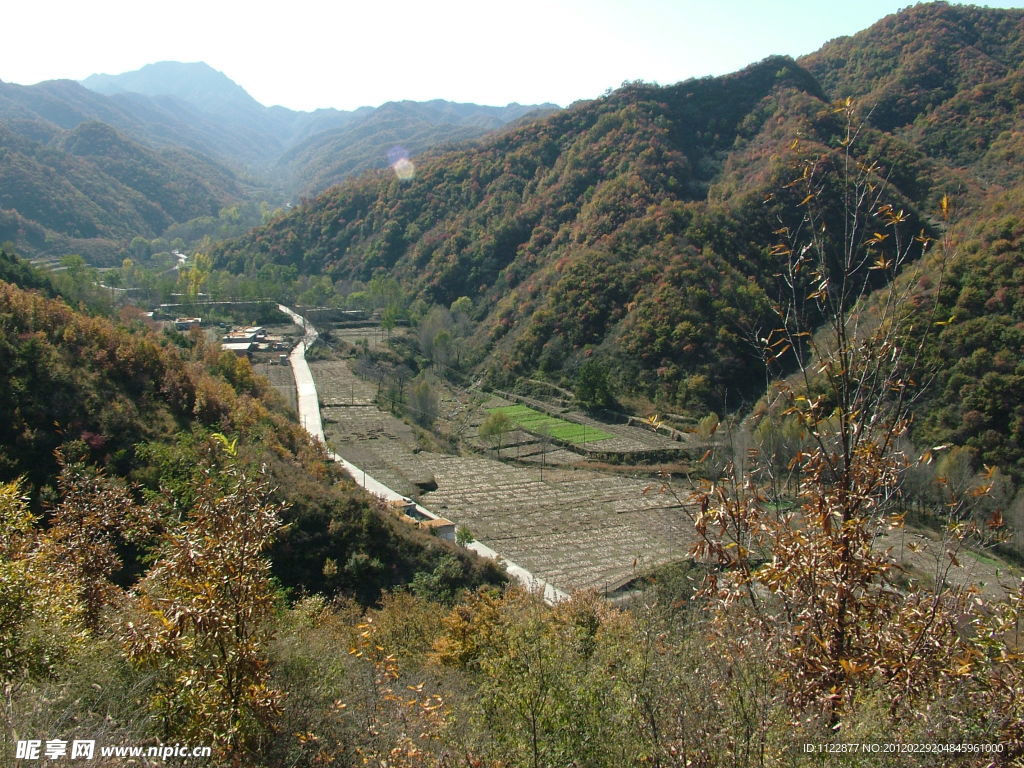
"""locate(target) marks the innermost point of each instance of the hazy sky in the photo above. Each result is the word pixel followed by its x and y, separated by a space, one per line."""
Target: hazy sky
pixel 305 54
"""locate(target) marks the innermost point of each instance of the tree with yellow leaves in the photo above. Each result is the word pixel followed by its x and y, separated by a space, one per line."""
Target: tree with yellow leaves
pixel 201 617
pixel 802 577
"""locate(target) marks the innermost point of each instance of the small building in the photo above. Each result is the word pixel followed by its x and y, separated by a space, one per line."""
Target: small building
pixel 240 348
pixel 404 507
pixel 237 337
pixel 406 510
pixel 185 323
pixel 440 527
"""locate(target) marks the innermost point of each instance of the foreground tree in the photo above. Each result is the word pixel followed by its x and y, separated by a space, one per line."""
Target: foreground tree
pixel 202 618
pixel 807 570
pixel 79 552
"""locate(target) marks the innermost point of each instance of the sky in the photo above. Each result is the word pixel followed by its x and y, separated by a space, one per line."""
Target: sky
pixel 307 54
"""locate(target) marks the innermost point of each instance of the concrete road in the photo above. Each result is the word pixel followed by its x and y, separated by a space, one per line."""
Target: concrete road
pixel 309 417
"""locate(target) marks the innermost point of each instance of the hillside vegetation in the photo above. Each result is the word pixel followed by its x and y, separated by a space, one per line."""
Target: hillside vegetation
pixel 180 565
pixel 92 190
pixel 89 167
pixel 637 229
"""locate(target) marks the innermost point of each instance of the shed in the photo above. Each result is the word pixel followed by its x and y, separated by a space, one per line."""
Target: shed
pixel 444 529
pixel 240 348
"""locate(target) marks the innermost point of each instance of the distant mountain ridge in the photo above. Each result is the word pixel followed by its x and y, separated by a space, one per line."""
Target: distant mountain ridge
pixel 332 155
pixel 85 169
pixel 234 125
pixel 197 83
pixel 281 131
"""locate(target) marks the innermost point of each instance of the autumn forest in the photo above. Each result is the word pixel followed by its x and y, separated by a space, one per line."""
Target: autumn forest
pixel 805 277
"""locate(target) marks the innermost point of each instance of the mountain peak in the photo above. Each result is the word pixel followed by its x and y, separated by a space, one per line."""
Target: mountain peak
pixel 197 83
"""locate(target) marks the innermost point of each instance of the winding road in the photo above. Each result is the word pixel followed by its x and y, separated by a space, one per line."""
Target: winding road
pixel 309 416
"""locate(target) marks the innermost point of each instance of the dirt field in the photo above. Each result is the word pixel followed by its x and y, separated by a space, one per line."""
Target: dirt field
pixel 280 376
pixel 572 527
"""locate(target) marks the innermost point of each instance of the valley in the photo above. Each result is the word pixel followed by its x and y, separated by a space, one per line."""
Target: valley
pixel 682 426
pixel 573 528
pixel 538 505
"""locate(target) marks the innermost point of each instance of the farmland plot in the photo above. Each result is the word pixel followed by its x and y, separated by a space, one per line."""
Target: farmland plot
pixel 575 529
pixel 281 379
pixel 537 422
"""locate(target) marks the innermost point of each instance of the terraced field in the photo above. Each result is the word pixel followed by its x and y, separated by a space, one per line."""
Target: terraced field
pixel 574 528
pixel 541 423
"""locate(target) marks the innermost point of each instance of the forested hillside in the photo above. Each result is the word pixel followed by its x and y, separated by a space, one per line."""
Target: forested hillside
pixel 91 190
pixel 912 67
pixel 637 229
pixel 632 228
pixel 948 80
pixel 144 407
pixel 87 169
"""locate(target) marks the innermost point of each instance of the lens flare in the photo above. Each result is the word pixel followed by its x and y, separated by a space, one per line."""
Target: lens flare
pixel 398 159
pixel 404 169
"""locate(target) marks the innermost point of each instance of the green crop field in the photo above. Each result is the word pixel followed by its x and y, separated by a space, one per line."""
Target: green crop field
pixel 560 429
